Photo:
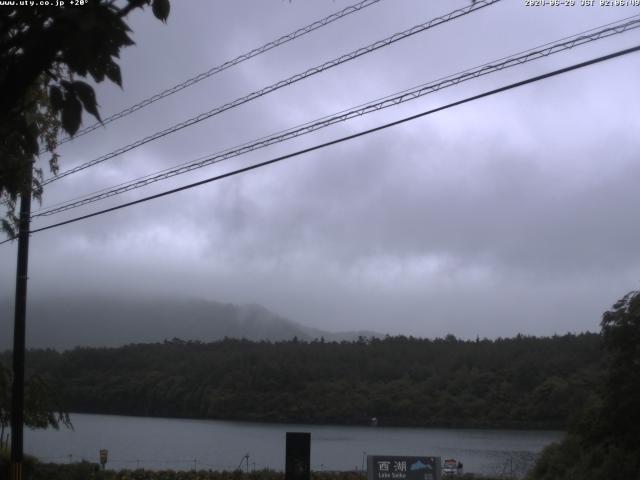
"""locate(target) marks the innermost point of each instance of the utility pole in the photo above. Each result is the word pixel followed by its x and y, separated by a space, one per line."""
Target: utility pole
pixel 17 393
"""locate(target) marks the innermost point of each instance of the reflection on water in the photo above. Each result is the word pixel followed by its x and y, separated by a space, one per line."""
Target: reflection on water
pixel 160 443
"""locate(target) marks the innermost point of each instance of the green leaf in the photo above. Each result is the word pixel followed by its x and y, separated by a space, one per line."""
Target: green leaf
pixel 97 71
pixel 139 3
pixel 53 163
pixel 112 70
pixel 161 9
pixel 71 113
pixel 56 98
pixel 88 98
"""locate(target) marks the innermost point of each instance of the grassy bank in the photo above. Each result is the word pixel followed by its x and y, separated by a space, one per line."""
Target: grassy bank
pixel 89 471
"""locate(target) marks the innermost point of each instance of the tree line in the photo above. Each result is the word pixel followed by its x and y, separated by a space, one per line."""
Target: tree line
pixel 521 382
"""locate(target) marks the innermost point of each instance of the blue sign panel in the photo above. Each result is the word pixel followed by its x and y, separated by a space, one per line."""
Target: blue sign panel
pixel 387 467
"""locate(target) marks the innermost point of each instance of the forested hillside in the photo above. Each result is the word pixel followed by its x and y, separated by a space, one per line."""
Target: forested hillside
pixel 102 321
pixel 521 382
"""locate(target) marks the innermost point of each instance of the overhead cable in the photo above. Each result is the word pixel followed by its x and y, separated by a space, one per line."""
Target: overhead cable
pixel 283 83
pixel 343 139
pixel 401 97
pixel 228 64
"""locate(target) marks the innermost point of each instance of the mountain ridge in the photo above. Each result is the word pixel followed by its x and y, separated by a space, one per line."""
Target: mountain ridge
pixel 98 321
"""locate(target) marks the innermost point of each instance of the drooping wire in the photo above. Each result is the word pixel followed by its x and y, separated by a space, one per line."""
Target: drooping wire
pixel 592 34
pixel 392 100
pixel 495 91
pixel 224 66
pixel 282 83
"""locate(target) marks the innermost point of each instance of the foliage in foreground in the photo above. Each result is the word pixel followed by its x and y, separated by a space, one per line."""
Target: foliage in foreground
pixel 575 459
pixel 42 407
pixel 44 52
pixel 604 441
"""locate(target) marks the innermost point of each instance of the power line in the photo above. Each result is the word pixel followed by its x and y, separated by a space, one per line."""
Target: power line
pixel 581 38
pixel 392 100
pixel 228 64
pixel 345 138
pixel 282 83
pixel 406 95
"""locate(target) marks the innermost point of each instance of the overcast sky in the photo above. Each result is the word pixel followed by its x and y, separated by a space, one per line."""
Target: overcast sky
pixel 515 213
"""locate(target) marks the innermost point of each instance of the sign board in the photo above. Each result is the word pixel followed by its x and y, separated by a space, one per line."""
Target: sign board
pixel 391 467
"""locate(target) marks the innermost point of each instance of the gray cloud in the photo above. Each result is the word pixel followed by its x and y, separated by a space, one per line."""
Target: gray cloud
pixel 511 214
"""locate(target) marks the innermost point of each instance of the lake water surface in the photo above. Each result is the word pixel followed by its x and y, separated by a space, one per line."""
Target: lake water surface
pixel 160 443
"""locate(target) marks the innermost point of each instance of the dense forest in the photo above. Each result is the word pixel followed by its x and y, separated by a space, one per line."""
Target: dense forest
pixel 521 382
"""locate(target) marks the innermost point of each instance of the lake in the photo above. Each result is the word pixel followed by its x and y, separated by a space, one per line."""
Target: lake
pixel 162 443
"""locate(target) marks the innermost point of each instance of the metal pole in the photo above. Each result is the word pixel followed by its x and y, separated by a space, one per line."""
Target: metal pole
pixel 17 394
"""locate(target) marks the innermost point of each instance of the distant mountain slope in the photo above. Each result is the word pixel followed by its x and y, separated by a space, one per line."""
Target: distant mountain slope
pixel 63 323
